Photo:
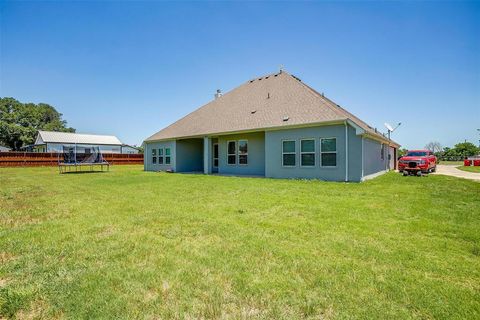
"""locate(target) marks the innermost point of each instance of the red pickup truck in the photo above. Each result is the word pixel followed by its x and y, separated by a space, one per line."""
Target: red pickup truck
pixel 417 162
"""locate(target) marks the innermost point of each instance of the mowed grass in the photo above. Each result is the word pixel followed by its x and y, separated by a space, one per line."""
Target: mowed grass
pixel 475 169
pixel 451 163
pixel 134 244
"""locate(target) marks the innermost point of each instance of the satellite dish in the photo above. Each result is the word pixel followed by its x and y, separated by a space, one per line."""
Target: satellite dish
pixel 389 127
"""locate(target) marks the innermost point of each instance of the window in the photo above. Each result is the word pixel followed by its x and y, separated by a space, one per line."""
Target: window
pixel 160 156
pixel 307 153
pixel 288 153
pixel 382 152
pixel 243 152
pixel 154 156
pixel 231 152
pixel 328 151
pixel 215 155
pixel 167 156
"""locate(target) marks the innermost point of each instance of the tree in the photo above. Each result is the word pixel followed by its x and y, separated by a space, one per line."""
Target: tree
pixel 434 146
pixel 402 152
pixel 19 122
pixel 466 149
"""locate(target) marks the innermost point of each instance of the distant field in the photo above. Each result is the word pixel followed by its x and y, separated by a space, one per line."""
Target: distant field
pixel 470 169
pixel 134 244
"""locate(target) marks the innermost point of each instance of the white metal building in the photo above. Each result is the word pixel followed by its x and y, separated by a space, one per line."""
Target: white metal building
pixel 53 141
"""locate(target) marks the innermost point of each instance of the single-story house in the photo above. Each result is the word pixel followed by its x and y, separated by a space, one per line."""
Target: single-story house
pixel 54 141
pixel 274 126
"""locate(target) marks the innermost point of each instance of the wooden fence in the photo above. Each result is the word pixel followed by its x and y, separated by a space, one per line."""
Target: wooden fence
pixel 34 159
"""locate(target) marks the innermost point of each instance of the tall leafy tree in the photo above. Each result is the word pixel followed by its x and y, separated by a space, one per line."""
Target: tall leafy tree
pixel 19 122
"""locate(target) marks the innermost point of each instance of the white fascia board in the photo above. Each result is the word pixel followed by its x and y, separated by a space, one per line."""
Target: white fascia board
pixel 358 129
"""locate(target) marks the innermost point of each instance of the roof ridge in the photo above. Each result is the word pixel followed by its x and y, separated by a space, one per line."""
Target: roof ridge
pixel 86 134
pixel 317 94
pixel 224 94
pixel 336 106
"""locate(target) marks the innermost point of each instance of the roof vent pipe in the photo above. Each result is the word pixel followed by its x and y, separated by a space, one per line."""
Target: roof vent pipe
pixel 218 94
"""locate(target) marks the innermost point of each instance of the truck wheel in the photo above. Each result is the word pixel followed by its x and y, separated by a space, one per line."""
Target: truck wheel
pixel 405 173
pixel 434 169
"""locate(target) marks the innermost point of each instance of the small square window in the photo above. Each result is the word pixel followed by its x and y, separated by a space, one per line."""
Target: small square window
pixel 243 159
pixel 329 145
pixel 329 159
pixel 288 146
pixel 289 160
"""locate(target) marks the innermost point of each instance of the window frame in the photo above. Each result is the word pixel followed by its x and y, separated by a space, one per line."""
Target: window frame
pixel 167 156
pixel 213 155
pixel 162 162
pixel 382 152
pixel 294 153
pixel 231 154
pixel 243 154
pixel 322 152
pixel 154 156
pixel 309 152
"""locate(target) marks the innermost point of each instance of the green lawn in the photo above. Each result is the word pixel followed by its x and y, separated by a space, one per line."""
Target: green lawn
pixel 451 163
pixel 134 244
pixel 470 169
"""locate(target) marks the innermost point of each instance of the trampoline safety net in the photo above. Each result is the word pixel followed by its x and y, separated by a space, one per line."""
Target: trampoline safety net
pixel 74 161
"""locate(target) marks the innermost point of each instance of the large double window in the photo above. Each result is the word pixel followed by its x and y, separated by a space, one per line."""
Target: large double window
pixel 328 150
pixel 288 153
pixel 308 153
pixel 237 152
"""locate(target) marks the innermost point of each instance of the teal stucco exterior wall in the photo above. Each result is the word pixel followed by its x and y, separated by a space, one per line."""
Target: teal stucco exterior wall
pixel 265 154
pixel 189 155
pixel 148 155
pixel 273 154
pixel 372 157
pixel 256 155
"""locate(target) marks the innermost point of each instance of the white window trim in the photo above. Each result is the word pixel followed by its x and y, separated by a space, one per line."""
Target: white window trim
pixel 322 152
pixel 231 154
pixel 244 154
pixel 294 153
pixel 314 152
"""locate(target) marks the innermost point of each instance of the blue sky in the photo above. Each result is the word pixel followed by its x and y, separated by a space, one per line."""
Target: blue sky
pixel 131 68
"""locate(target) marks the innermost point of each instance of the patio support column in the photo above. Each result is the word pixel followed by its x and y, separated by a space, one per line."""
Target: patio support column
pixel 207 142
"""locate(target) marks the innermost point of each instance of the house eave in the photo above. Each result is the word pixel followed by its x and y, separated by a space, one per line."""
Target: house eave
pixel 273 128
pixel 380 139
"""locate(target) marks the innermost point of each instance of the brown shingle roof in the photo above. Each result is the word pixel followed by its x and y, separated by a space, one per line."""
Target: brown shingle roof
pixel 260 103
